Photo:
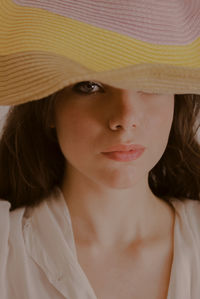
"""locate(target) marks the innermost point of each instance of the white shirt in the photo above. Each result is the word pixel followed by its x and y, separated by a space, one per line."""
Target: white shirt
pixel 38 257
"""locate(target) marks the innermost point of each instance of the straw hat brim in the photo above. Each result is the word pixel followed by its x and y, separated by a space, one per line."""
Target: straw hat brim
pixel 45 47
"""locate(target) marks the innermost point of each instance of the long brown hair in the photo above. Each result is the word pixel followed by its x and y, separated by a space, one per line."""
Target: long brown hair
pixel 32 164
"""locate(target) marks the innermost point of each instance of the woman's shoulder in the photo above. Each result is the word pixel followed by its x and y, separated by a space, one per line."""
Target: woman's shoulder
pixel 188 215
pixel 4 210
pixel 13 222
pixel 187 207
pixel 10 222
pixel 4 224
pixel 10 235
pixel 6 215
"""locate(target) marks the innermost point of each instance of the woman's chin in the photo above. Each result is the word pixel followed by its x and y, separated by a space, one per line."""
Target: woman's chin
pixel 120 182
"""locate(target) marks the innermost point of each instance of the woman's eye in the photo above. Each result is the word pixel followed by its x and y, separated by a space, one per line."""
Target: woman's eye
pixel 87 87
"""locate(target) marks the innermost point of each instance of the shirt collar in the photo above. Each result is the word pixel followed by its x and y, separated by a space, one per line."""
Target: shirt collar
pixel 50 243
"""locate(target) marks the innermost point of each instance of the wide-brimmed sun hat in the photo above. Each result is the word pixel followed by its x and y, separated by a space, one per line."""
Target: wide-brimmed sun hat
pixel 147 45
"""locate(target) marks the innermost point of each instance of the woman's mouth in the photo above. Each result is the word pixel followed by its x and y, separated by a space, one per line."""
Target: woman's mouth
pixel 124 156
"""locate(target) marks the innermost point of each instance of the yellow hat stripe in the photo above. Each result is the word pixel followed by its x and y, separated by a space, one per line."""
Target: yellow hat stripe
pixel 34 29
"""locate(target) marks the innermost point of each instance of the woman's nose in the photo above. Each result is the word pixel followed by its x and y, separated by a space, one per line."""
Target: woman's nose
pixel 125 113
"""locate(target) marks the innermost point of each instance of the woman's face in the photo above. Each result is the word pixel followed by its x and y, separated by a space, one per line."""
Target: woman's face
pixel 91 116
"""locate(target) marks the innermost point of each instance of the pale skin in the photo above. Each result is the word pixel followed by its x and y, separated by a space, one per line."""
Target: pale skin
pixel 111 205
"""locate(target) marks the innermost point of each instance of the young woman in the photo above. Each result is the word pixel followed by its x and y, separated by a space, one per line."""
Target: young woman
pixel 99 181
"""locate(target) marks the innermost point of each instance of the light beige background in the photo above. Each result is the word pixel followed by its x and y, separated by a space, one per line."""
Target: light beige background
pixel 3 112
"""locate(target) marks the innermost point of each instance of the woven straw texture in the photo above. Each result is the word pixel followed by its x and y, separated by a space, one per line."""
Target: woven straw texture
pixel 149 45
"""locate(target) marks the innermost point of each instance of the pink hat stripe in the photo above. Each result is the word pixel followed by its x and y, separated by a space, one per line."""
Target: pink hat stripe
pixel 157 29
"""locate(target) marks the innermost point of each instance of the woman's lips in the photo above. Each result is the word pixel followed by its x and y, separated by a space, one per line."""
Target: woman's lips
pixel 124 156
